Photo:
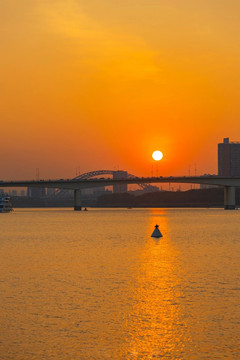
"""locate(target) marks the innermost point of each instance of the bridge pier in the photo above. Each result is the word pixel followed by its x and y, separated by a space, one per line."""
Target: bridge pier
pixel 229 198
pixel 77 200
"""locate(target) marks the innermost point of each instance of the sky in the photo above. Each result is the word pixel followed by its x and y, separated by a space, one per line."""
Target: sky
pixel 100 84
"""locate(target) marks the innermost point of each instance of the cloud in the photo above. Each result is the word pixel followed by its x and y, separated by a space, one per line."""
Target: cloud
pixel 111 52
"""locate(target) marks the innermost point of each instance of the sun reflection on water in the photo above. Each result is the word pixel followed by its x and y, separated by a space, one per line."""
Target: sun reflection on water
pixel 156 324
pixel 97 286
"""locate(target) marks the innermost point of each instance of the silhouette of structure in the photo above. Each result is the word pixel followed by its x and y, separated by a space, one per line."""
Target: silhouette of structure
pixel 229 158
pixel 77 185
pixel 120 188
pixel 116 175
pixel 36 192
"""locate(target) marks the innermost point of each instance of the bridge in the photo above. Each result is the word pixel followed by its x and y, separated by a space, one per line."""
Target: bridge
pixel 116 175
pixel 79 183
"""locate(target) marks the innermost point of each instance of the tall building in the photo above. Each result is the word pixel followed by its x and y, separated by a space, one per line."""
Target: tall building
pixel 36 192
pixel 229 158
pixel 120 188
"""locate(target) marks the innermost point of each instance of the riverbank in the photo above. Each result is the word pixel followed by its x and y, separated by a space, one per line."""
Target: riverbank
pixel 202 198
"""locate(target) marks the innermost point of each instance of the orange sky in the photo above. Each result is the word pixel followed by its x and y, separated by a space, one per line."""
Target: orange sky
pixel 101 84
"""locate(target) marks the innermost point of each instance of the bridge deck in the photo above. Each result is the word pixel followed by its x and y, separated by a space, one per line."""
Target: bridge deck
pixel 92 183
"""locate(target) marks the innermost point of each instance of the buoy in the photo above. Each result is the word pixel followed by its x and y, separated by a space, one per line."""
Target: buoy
pixel 156 233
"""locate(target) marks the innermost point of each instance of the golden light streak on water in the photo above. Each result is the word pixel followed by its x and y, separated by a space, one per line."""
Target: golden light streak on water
pixel 157 311
pixel 95 285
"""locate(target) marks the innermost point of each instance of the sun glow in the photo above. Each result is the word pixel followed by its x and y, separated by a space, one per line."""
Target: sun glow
pixel 157 155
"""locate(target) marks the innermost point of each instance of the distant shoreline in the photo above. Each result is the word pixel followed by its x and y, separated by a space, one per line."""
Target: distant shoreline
pixel 124 207
pixel 195 198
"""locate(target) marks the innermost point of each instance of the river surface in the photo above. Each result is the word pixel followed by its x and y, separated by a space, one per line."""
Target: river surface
pixel 95 285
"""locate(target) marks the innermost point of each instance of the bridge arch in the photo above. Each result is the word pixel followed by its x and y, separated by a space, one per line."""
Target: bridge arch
pixel 92 174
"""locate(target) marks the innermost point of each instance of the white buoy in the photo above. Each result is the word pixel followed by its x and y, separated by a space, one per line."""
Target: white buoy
pixel 156 233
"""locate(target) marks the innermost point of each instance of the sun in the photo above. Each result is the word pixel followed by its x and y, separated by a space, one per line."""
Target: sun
pixel 157 155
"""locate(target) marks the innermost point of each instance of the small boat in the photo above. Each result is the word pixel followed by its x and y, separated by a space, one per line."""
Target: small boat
pixel 156 233
pixel 5 204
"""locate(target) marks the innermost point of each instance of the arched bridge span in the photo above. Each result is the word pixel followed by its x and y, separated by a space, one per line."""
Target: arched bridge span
pixel 113 173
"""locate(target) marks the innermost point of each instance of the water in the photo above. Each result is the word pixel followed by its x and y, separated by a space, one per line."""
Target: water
pixel 95 285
